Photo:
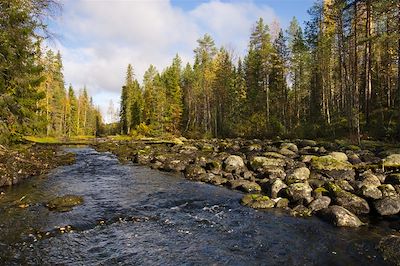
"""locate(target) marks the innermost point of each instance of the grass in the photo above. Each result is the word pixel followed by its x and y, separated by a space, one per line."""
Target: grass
pixel 60 140
pixel 120 137
pixel 42 140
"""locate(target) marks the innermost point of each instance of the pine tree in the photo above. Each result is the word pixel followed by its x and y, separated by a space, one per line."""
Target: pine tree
pixel 126 101
pixel 171 80
pixel 258 68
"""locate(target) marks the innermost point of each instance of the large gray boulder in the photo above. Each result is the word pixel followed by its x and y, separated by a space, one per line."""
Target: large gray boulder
pixel 257 201
pixel 387 190
pixel 193 171
pixel 234 163
pixel 348 200
pixel 319 203
pixel 340 216
pixel 299 191
pixel 258 163
pixel 298 175
pixel 245 185
pixel 387 206
pixel 340 156
pixel 275 187
pixel 332 167
pixel 370 192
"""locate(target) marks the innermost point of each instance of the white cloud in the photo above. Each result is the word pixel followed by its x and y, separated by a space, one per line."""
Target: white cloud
pixel 99 38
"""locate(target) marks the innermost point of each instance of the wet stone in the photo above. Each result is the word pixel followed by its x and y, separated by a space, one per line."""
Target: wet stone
pixel 64 203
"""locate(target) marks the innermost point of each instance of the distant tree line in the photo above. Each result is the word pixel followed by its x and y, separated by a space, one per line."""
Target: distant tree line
pixel 33 97
pixel 337 77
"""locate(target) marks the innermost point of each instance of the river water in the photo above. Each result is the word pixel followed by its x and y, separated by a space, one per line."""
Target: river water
pixel 133 215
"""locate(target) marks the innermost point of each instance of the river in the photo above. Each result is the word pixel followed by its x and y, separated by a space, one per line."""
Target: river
pixel 133 215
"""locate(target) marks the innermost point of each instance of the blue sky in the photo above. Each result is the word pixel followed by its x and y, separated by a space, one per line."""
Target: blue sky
pixel 99 38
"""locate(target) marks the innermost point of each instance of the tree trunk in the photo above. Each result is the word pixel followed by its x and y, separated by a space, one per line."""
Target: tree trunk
pixel 356 89
pixel 367 60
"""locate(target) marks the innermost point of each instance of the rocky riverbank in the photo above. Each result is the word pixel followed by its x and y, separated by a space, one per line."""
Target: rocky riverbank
pixel 343 184
pixel 23 161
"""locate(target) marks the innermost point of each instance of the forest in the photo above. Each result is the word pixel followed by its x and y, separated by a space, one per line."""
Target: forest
pixel 33 97
pixel 336 77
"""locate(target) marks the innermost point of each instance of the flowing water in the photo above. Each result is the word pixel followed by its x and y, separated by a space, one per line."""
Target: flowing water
pixel 133 215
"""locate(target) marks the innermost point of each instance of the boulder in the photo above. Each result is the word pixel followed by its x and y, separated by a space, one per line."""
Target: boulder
pixel 300 211
pixel 192 171
pixel 319 203
pixel 340 216
pixel 233 163
pixel 319 192
pixel 254 147
pixel 142 157
pixel 329 163
pixel 282 203
pixel 354 159
pixel 273 172
pixel 287 153
pixel 348 200
pixel 290 146
pixel 387 190
pixel 340 156
pixel 333 168
pixel 390 248
pixel 64 203
pixel 258 163
pixel 218 180
pixel 188 150
pixel 275 187
pixel 299 191
pixel 214 167
pixel 392 161
pixel 370 192
pixel 298 175
pixel 387 206
pixel 272 154
pixel 175 165
pixel 369 179
pixel 307 142
pixel 257 201
pixel 207 147
pixel 344 184
pixel 245 185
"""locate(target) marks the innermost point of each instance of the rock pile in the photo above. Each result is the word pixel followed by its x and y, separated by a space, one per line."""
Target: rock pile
pixel 341 184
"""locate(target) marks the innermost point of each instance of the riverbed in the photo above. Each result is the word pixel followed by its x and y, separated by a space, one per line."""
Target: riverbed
pixel 133 215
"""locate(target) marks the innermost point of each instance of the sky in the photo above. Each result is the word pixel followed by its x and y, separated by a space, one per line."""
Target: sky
pixel 99 38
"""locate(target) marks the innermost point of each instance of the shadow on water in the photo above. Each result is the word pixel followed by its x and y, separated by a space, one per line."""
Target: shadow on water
pixel 133 215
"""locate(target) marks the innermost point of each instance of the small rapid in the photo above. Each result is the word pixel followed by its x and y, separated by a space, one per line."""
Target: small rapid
pixel 133 215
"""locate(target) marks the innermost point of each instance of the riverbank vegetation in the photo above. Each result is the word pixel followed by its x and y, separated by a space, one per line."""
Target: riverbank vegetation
pixel 339 76
pixel 33 96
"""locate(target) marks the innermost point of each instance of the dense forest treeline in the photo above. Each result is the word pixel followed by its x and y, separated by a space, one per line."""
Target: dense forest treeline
pixel 337 77
pixel 33 97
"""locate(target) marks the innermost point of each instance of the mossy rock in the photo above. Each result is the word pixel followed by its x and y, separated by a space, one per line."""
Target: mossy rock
pixel 64 203
pixel 348 200
pixel 257 201
pixel 329 163
pixel 353 147
pixel 392 161
pixel 272 154
pixel 258 162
